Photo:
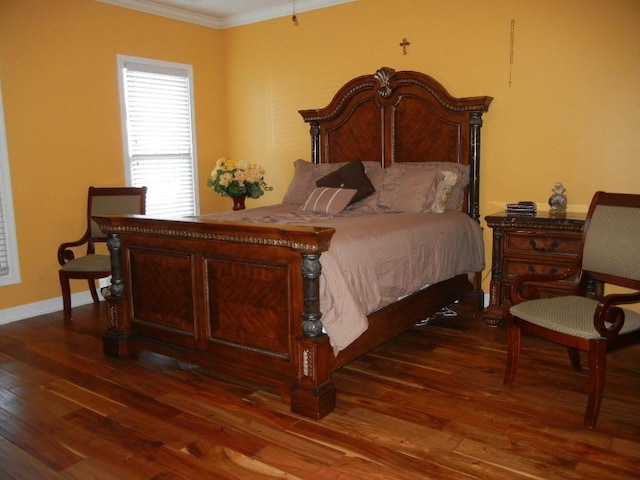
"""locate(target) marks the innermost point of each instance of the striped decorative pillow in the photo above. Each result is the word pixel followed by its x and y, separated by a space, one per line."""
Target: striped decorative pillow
pixel 328 200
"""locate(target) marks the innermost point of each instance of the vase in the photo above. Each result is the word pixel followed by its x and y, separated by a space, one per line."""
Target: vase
pixel 238 202
pixel 558 201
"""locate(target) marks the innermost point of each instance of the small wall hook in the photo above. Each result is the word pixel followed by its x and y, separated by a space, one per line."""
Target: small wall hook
pixel 294 17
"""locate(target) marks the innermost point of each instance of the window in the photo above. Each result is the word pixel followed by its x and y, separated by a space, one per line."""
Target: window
pixel 159 134
pixel 9 270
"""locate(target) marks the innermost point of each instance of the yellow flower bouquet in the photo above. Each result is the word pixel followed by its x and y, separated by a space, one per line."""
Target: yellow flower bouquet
pixel 233 178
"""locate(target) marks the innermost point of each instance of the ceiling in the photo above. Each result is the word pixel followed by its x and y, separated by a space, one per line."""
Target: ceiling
pixel 224 13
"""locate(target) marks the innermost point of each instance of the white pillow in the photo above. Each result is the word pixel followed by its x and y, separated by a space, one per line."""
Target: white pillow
pixel 443 191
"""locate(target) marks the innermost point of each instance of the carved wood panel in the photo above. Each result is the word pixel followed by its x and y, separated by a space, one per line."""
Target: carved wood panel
pixel 248 303
pixel 162 295
pixel 346 139
pixel 420 136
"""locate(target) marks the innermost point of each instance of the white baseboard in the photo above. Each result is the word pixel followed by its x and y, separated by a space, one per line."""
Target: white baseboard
pixel 29 310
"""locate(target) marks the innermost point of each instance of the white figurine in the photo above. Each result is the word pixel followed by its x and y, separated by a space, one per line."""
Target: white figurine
pixel 558 201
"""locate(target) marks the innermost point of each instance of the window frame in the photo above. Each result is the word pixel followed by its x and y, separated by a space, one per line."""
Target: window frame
pixel 162 67
pixel 7 214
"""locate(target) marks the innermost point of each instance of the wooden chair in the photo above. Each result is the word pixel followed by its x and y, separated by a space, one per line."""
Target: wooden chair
pixel 610 253
pixel 92 266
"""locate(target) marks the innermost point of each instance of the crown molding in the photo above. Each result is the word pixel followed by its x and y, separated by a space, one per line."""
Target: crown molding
pixel 211 21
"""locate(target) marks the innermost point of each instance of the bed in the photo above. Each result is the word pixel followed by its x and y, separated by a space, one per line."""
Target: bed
pixel 243 294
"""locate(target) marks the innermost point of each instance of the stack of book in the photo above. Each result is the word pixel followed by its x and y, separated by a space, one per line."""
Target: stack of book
pixel 521 208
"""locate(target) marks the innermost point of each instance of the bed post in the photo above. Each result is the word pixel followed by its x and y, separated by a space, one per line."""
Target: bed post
pixel 114 340
pixel 314 394
pixel 311 270
pixel 474 198
pixel 474 165
pixel 314 130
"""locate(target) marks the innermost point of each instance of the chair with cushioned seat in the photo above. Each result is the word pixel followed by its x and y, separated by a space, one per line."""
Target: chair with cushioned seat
pixel 92 266
pixel 610 254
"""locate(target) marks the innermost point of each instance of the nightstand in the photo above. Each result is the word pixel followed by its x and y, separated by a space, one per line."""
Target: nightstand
pixel 531 244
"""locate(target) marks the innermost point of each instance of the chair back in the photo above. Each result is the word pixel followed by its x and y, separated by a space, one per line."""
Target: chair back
pixel 611 242
pixel 113 201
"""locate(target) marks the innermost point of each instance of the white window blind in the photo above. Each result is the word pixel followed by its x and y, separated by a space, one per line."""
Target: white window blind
pixel 4 250
pixel 9 268
pixel 4 254
pixel 159 133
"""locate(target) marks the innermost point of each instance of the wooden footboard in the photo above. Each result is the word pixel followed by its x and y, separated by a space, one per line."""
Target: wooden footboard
pixel 239 299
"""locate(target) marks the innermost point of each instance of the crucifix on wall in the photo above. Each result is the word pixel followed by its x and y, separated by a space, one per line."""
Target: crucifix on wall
pixel 404 44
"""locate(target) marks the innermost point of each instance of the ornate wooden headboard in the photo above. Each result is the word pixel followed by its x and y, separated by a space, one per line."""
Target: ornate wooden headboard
pixel 395 117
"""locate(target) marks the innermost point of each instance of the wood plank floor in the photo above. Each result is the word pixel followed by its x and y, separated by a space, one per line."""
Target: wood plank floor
pixel 430 404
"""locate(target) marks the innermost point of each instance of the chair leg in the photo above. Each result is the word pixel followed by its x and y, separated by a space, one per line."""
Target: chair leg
pixel 66 297
pixel 92 289
pixel 574 358
pixel 597 371
pixel 513 337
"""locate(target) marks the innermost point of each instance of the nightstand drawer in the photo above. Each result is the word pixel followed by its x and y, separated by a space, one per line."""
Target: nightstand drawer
pixel 542 244
pixel 519 266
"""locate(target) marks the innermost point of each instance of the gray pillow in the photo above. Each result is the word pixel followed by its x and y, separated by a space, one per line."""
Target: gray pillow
pixel 407 188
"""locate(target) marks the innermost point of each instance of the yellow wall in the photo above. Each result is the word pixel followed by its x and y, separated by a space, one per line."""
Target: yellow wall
pixel 571 109
pixel 59 80
pixel 571 113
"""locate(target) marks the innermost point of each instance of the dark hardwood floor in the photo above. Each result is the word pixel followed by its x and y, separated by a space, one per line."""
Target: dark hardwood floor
pixel 430 404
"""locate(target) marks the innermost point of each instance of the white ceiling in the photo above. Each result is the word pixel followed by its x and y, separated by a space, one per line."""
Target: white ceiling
pixel 224 13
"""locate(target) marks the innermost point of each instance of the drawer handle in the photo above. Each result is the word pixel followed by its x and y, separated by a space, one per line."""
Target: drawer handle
pixel 555 244
pixel 552 270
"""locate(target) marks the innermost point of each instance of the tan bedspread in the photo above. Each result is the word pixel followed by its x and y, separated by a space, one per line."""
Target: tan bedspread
pixel 375 259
